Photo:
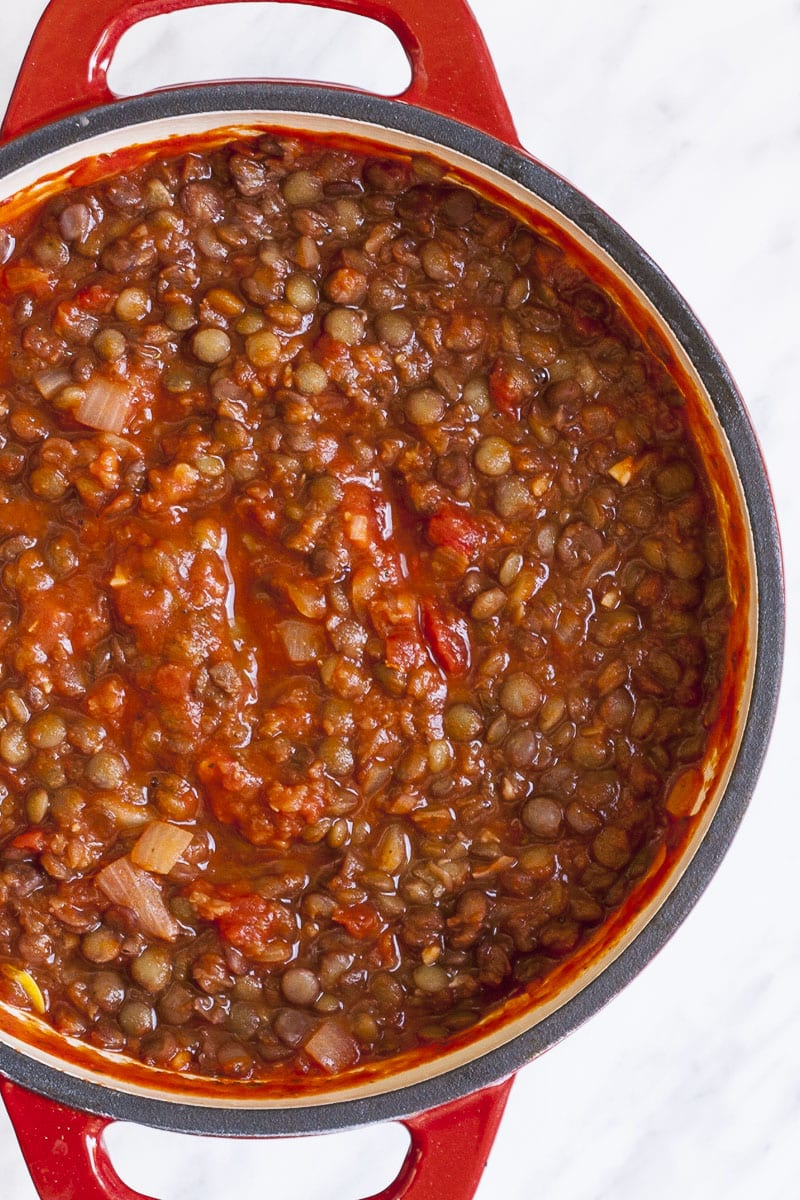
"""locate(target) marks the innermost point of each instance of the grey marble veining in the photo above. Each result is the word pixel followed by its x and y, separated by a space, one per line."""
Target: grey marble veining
pixel 683 121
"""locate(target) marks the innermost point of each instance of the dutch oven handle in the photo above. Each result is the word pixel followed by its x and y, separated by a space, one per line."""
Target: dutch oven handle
pixel 67 61
pixel 67 1159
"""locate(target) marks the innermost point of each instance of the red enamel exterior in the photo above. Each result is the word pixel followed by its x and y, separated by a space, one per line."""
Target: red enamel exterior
pixel 67 62
pixel 67 1159
pixel 65 71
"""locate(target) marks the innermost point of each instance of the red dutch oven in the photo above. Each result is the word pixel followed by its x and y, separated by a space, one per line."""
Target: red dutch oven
pixel 61 1097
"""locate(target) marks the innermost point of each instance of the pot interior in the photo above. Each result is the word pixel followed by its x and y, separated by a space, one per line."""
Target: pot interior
pixel 518 1017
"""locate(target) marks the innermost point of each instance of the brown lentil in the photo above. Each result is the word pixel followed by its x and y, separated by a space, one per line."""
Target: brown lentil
pixel 425 406
pixel 133 304
pixel 493 456
pixel 211 345
pixel 263 348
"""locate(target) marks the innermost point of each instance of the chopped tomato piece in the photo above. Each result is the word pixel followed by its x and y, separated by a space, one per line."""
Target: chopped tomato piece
pixel 337 360
pixel 94 298
pixel 221 772
pixel 245 919
pixel 24 278
pixel 404 649
pixel 385 953
pixel 455 529
pixel 31 839
pixel 268 810
pixel 367 521
pixel 447 634
pixel 252 923
pixel 361 921
pixel 506 387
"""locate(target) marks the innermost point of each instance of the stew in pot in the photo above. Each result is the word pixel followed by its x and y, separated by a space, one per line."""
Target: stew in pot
pixel 363 607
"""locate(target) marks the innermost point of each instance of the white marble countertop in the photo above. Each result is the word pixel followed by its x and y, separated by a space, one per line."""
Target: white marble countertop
pixel 683 121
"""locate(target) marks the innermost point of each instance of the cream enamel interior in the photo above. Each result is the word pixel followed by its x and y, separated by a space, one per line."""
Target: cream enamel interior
pixel 108 1070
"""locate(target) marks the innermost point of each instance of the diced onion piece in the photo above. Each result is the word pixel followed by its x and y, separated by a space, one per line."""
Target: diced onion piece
pixel 304 642
pixel 622 471
pixel 160 847
pixel 498 864
pixel 308 598
pixel 357 528
pixel 125 884
pixel 28 984
pixel 686 795
pixel 125 814
pixel 332 1047
pixel 106 404
pixel 118 579
pixel 49 383
pixel 365 583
